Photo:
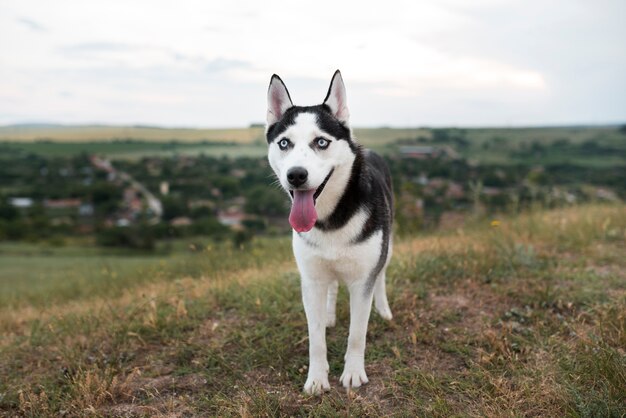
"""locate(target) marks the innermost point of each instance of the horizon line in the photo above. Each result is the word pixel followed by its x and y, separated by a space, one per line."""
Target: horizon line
pixel 26 125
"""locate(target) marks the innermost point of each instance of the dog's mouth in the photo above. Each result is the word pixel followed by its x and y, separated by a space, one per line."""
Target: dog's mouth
pixel 303 214
pixel 319 190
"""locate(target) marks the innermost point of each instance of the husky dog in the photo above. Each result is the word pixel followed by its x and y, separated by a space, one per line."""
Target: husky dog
pixel 341 216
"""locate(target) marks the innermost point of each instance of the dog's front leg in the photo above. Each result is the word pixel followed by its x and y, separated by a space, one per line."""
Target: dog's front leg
pixel 360 306
pixel 314 294
pixel 331 304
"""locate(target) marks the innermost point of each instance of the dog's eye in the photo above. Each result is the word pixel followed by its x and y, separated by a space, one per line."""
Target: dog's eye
pixel 283 144
pixel 322 143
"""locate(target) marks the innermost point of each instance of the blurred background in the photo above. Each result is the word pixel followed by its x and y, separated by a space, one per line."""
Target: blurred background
pixel 145 260
pixel 136 128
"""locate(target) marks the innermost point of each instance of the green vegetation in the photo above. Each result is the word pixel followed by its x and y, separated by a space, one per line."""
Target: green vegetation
pixel 582 146
pixel 134 149
pixel 440 175
pixel 521 316
pixel 44 275
pixel 507 283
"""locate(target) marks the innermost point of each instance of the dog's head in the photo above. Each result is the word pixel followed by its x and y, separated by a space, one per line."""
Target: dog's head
pixel 311 150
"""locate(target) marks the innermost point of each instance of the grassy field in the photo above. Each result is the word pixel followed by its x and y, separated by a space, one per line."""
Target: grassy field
pixel 484 145
pixel 369 136
pixel 99 133
pixel 136 149
pixel 41 276
pixel 521 317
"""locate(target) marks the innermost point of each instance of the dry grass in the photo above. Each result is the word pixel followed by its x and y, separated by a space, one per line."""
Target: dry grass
pixel 524 319
pixel 107 133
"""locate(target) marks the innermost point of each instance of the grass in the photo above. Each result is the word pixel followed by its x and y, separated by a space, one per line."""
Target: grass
pixel 137 149
pixel 484 145
pixel 524 319
pixel 369 136
pixel 98 133
pixel 43 276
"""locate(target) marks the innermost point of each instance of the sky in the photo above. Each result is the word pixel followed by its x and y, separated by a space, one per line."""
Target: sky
pixel 200 63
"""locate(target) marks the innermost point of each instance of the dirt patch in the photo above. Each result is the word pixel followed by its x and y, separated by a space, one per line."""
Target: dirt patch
pixel 470 307
pixel 162 396
pixel 214 332
pixel 172 407
pixel 169 384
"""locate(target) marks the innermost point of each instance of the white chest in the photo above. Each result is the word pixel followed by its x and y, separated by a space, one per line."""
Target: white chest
pixel 333 255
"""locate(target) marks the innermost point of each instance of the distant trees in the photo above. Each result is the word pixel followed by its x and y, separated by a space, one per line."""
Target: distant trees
pixel 106 198
pixel 451 136
pixel 209 227
pixel 174 207
pixel 140 237
pixel 266 201
pixel 8 212
pixel 239 189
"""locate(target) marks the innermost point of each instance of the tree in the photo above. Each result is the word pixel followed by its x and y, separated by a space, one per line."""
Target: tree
pixel 105 198
pixel 8 212
pixel 267 201
pixel 173 207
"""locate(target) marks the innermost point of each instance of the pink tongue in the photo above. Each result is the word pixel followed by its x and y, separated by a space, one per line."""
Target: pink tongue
pixel 303 214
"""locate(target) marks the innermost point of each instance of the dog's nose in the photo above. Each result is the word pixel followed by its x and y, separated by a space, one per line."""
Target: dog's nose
pixel 297 176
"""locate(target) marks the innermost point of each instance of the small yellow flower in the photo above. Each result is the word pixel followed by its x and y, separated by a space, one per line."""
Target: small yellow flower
pixel 495 223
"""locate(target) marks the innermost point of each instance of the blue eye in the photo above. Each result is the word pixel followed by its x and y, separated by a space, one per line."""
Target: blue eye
pixel 322 143
pixel 283 144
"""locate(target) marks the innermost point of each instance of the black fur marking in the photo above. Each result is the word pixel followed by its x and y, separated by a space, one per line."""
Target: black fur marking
pixel 371 279
pixel 380 207
pixel 368 188
pixel 320 189
pixel 350 201
pixel 325 120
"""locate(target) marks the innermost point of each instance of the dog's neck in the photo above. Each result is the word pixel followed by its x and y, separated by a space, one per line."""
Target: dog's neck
pixel 343 185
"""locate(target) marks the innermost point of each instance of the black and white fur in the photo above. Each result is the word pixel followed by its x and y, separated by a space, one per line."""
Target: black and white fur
pixel 351 239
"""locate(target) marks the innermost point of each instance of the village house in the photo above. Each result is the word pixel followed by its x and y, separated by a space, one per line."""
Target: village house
pixel 62 203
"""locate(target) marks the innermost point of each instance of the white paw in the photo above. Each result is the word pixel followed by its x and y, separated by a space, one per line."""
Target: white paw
pixel 316 383
pixel 384 311
pixel 353 374
pixel 330 320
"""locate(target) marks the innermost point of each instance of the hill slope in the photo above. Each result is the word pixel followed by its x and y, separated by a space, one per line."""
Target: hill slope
pixel 524 316
pixel 94 133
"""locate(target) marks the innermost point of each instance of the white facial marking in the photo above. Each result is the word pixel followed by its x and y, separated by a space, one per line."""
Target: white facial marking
pixel 317 162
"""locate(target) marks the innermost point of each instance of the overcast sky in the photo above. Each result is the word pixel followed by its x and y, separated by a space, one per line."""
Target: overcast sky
pixel 207 63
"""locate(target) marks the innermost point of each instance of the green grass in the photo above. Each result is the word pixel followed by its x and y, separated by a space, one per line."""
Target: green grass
pixel 485 145
pixel 524 319
pixel 49 280
pixel 137 149
pixel 41 276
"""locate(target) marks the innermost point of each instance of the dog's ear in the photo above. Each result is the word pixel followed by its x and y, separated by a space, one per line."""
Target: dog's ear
pixel 278 100
pixel 336 98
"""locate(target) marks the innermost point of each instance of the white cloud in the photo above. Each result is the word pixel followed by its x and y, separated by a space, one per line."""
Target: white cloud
pixel 207 63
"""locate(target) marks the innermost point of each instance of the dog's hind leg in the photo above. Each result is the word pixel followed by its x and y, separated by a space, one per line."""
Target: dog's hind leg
pixel 360 307
pixel 331 304
pixel 380 298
